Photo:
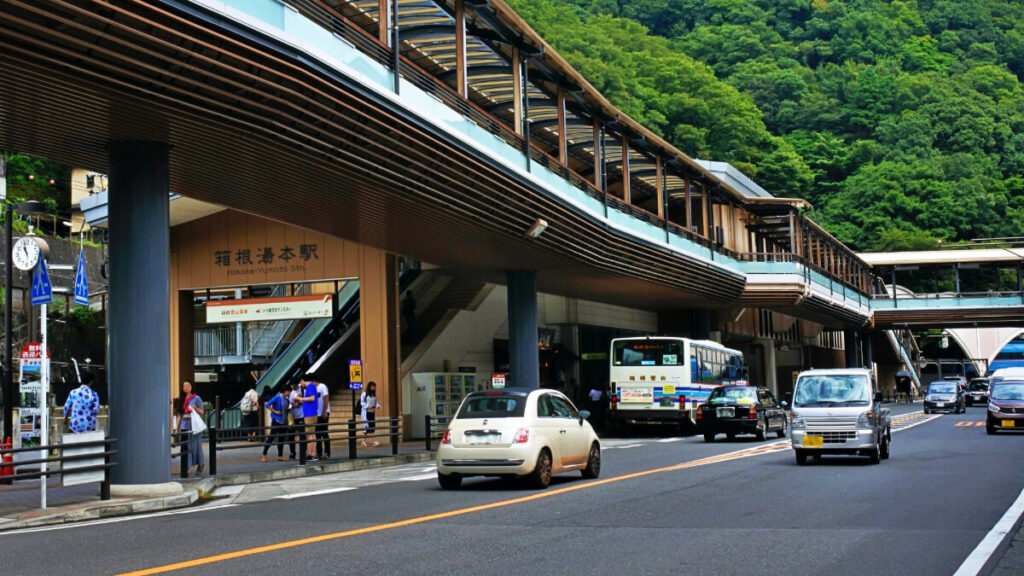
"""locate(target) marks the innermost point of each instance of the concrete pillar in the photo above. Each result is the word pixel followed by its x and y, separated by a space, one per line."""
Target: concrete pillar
pixel 868 351
pixel 524 358
pixel 700 324
pixel 139 311
pixel 852 349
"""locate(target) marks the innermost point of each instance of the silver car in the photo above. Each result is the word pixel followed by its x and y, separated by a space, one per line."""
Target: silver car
pixel 530 434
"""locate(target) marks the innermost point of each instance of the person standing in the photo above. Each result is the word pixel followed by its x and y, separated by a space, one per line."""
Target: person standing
pixel 278 407
pixel 409 313
pixel 82 406
pixel 250 417
pixel 309 413
pixel 191 403
pixel 323 434
pixel 369 404
pixel 295 423
pixel 596 397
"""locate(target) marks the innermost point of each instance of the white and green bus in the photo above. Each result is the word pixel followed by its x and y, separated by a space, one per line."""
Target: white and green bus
pixel 661 379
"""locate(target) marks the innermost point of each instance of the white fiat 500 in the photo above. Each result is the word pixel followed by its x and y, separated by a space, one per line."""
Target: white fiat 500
pixel 517 433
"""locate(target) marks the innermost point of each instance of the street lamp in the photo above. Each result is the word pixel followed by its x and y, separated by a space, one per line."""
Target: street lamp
pixel 28 208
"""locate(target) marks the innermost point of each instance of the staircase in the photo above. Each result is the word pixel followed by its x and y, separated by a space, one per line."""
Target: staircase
pixel 456 294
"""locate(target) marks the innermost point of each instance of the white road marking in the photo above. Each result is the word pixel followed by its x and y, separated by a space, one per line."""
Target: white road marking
pixel 314 493
pixel 430 476
pixel 88 523
pixel 988 545
pixel 666 440
pixel 622 446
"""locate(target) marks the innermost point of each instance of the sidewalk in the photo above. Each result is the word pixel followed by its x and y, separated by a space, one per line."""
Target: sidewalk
pixel 238 464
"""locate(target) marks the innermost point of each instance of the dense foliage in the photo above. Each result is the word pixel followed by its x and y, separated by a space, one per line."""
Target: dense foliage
pixel 902 122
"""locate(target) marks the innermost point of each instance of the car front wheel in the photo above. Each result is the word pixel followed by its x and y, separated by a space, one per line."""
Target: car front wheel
pixel 541 475
pixel 801 457
pixel 593 469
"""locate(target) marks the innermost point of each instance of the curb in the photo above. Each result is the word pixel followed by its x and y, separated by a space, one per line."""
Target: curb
pixel 113 508
pixel 176 495
pixel 319 468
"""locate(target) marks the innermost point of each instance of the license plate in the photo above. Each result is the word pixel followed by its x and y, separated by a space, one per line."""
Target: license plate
pixel 726 412
pixel 483 439
pixel 1008 423
pixel 814 441
pixel 940 404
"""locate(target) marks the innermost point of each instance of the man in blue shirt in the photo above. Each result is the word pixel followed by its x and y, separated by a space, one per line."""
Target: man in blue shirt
pixel 278 406
pixel 82 406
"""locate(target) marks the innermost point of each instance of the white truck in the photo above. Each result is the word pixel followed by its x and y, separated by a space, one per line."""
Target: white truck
pixel 839 411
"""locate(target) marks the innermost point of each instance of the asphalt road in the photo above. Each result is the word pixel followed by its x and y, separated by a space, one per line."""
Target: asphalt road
pixel 663 505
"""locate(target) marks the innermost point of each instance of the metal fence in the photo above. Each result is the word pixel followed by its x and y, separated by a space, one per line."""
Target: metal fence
pixel 346 433
pixel 56 463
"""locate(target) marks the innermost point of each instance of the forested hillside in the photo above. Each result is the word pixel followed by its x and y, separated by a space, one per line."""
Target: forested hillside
pixel 902 122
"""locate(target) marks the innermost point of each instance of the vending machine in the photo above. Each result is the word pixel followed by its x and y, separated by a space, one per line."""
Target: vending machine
pixel 439 395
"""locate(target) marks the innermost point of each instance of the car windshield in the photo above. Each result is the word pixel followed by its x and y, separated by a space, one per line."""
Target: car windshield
pixel 501 406
pixel 1008 391
pixel 739 394
pixel 942 388
pixel 977 386
pixel 832 389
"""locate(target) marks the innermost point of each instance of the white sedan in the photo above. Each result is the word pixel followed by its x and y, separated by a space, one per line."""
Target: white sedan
pixel 517 433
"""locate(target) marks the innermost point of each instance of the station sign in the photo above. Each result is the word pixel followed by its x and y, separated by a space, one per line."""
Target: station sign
pixel 268 309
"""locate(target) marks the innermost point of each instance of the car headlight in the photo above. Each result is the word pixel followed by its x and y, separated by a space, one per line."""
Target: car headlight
pixel 797 422
pixel 992 407
pixel 864 420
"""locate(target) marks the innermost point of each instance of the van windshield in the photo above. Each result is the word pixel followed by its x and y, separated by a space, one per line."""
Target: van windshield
pixel 832 390
pixel 1008 391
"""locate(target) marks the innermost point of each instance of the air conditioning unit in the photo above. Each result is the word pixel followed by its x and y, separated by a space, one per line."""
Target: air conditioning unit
pixel 206 377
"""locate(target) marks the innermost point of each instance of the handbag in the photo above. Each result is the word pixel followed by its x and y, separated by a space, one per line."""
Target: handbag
pixel 197 422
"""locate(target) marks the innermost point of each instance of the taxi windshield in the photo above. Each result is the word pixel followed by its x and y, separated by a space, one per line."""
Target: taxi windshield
pixel 738 394
pixel 942 388
pixel 832 389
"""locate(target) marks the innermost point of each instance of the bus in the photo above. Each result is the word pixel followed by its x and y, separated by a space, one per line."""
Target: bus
pixel 1010 356
pixel 663 379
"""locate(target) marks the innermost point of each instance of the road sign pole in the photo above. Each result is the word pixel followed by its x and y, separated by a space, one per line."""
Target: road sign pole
pixel 44 405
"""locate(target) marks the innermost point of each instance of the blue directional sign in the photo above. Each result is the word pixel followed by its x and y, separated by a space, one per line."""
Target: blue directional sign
pixel 42 291
pixel 81 282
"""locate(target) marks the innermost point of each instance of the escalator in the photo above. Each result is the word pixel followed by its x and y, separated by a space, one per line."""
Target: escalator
pixel 318 336
pixel 322 339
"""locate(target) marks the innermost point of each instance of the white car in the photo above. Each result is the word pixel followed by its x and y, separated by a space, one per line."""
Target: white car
pixel 517 433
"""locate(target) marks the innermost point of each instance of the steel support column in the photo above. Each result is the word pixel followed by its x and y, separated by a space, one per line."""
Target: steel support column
pixel 139 311
pixel 524 357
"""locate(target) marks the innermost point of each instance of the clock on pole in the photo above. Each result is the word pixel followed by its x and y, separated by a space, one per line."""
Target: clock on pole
pixel 27 251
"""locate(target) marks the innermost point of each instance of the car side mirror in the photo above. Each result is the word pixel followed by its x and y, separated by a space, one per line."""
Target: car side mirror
pixel 878 396
pixel 784 404
pixel 583 415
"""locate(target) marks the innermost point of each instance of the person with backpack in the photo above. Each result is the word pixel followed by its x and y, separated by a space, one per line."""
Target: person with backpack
pixel 249 406
pixel 369 404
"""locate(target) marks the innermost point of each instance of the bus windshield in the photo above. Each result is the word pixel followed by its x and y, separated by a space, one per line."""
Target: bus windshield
pixel 830 390
pixel 648 353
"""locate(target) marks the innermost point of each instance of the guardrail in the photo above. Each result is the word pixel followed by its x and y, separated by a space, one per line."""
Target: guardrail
pixel 433 428
pixel 102 449
pixel 346 432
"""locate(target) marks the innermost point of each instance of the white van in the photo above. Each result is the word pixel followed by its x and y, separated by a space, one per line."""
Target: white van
pixel 839 411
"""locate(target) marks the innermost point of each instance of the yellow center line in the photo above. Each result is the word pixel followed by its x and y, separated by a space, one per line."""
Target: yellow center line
pixel 766 449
